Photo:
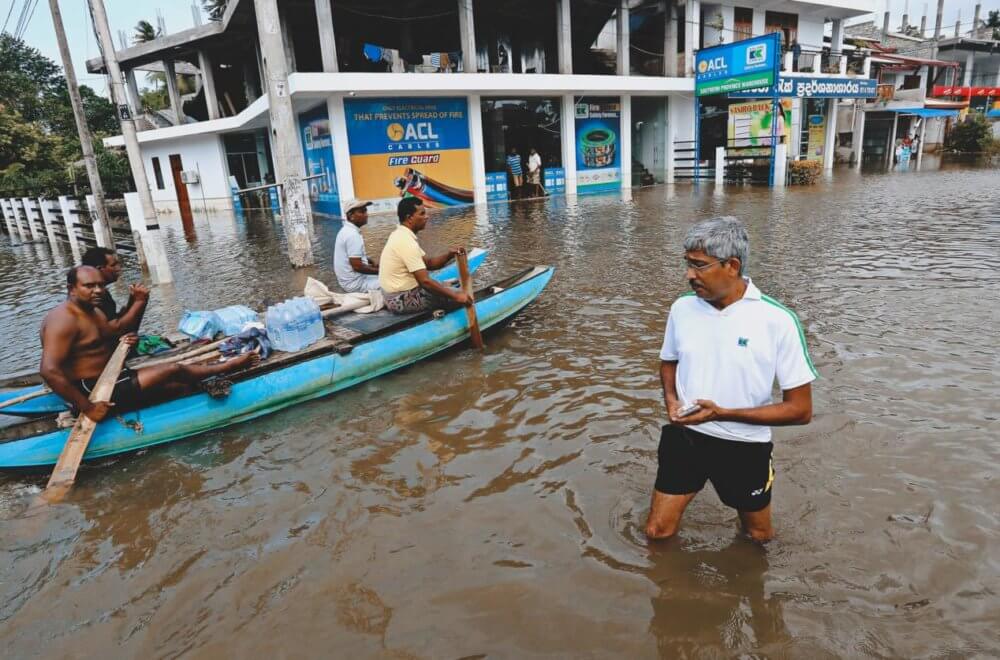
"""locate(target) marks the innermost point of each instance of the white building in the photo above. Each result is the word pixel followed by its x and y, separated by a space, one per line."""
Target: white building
pixel 428 97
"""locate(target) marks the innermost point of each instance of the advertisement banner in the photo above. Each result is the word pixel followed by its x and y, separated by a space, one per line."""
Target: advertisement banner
pixel 317 148
pixel 554 180
pixel 949 90
pixel 496 186
pixel 746 64
pixel 817 88
pixel 598 150
pixel 750 125
pixel 817 137
pixel 410 147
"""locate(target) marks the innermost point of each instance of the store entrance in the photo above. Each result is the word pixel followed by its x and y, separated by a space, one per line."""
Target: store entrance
pixel 512 130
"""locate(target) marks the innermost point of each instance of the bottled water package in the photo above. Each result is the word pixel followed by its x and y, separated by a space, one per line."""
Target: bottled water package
pixel 234 318
pixel 199 325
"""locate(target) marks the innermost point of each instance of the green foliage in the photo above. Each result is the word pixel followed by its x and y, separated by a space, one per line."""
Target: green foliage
pixel 804 172
pixel 143 32
pixel 214 8
pixel 972 136
pixel 993 21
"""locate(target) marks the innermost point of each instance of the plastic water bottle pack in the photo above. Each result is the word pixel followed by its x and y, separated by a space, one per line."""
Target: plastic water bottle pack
pixel 294 324
pixel 234 318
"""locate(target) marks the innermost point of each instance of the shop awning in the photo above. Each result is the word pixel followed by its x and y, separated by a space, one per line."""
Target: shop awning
pixel 925 112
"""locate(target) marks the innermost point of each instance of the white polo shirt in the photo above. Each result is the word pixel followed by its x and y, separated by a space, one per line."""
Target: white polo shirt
pixel 349 243
pixel 733 356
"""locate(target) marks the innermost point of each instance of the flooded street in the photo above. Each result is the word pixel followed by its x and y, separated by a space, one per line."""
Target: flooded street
pixel 492 505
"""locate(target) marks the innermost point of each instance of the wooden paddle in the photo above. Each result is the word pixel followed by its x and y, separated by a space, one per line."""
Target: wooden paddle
pixel 470 311
pixel 64 473
pixel 25 397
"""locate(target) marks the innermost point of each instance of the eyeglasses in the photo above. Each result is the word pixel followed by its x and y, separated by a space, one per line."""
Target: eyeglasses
pixel 688 264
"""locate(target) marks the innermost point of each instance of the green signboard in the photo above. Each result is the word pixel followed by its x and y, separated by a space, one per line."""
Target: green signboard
pixel 734 67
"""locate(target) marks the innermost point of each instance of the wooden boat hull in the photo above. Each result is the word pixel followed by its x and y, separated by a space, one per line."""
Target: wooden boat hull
pixel 52 403
pixel 284 387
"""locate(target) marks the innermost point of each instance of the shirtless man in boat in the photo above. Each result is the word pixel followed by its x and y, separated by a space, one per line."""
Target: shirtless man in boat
pixel 78 340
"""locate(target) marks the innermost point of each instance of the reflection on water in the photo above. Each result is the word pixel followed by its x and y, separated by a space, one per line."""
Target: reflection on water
pixel 492 504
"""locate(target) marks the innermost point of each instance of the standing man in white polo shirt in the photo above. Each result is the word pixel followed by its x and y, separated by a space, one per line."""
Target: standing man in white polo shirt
pixel 723 348
pixel 356 273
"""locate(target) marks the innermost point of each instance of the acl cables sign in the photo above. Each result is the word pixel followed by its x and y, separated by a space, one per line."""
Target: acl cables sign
pixel 415 147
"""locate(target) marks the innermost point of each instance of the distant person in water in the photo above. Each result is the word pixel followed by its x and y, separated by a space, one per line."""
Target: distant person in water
pixel 403 267
pixel 723 348
pixel 356 273
pixel 108 265
pixel 78 340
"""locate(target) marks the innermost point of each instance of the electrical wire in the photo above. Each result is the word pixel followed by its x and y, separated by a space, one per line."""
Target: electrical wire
pixel 27 21
pixel 9 13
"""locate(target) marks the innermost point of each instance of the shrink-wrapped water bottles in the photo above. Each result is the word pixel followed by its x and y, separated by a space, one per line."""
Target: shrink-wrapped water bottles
pixel 294 324
pixel 234 318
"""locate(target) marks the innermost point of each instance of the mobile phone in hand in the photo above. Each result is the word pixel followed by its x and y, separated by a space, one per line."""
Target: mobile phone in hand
pixel 688 409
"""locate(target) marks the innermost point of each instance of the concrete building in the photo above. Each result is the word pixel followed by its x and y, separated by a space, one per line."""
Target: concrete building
pixel 430 97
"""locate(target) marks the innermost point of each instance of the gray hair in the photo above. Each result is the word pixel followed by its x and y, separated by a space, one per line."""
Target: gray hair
pixel 723 238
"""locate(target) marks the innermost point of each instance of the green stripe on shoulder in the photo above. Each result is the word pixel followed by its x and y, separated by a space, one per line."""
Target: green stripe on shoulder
pixel 685 295
pixel 798 326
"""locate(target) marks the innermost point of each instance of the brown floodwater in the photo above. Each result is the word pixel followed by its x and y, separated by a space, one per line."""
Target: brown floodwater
pixel 492 505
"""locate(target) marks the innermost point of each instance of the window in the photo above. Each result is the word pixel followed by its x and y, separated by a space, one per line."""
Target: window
pixel 157 173
pixel 742 23
pixel 787 25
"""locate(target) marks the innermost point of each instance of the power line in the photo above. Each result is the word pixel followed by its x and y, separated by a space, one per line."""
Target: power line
pixel 9 12
pixel 27 21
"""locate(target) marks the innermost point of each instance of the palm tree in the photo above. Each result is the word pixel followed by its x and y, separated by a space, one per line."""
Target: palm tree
pixel 144 31
pixel 214 8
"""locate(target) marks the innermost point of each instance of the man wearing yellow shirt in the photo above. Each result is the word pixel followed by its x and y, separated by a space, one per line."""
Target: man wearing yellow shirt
pixel 403 267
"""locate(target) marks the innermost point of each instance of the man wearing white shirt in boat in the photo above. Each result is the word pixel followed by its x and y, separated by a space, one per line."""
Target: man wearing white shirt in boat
pixel 722 350
pixel 356 273
pixel 406 284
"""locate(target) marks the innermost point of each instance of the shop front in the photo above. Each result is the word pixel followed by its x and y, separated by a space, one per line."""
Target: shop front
pixel 522 135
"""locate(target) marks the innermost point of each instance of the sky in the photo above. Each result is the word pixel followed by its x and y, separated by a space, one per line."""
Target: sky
pixel 124 14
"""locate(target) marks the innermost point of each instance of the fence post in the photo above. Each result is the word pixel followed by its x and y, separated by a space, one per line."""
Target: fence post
pixel 15 210
pixel 8 217
pixel 780 164
pixel 66 209
pixel 43 208
pixel 29 216
pixel 102 234
pixel 152 253
pixel 720 165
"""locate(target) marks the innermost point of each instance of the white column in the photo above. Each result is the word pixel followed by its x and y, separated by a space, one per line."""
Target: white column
pixel 49 221
pixel 830 146
pixel 15 211
pixel 780 164
pixel 564 36
pixel 626 140
pixel 923 133
pixel 467 35
pixel 568 136
pixel 623 39
pixel 137 223
pixel 66 207
pixel 720 165
pixel 135 100
pixel 103 240
pixel 327 42
pixel 837 44
pixel 858 140
pixel 967 74
pixel 671 147
pixel 670 39
pixel 892 139
pixel 8 217
pixel 30 216
pixel 170 73
pixel 208 84
pixel 478 151
pixel 341 153
pixel 692 21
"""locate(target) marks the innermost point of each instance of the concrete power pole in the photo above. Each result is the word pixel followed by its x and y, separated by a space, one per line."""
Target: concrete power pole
pixel 289 163
pixel 151 240
pixel 102 224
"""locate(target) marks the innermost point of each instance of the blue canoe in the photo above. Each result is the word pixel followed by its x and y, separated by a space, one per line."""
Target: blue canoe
pixel 52 403
pixel 357 348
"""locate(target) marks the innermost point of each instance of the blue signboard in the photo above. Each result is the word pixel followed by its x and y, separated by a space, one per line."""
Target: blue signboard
pixel 317 147
pixel 746 64
pixel 496 186
pixel 554 180
pixel 810 87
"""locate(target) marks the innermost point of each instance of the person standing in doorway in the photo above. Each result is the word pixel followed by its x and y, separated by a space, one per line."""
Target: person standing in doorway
pixel 796 54
pixel 356 273
pixel 515 171
pixel 723 348
pixel 535 173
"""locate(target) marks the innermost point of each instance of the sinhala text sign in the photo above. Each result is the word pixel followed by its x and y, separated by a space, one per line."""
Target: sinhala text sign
pixel 816 88
pixel 410 147
pixel 734 67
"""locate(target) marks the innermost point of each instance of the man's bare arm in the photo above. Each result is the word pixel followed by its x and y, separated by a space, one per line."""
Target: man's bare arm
pixel 58 334
pixel 430 284
pixel 795 408
pixel 359 266
pixel 129 320
pixel 668 379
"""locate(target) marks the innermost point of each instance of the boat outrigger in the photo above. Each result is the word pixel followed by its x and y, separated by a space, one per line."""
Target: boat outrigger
pixel 357 347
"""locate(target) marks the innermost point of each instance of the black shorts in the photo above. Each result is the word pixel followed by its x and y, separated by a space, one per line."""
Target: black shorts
pixel 740 472
pixel 127 393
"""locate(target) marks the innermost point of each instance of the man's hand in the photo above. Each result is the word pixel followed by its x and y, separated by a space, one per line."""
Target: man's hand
pixel 709 412
pixel 131 339
pixel 455 251
pixel 98 410
pixel 138 292
pixel 461 298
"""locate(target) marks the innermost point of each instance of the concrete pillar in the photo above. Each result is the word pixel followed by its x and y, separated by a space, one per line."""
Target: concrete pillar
pixel 858 140
pixel 104 239
pixel 923 133
pixel 970 60
pixel 208 84
pixel 289 163
pixel 49 221
pixel 885 28
pixel 568 135
pixel 564 36
pixel 478 150
pixel 66 207
pixel 671 147
pixel 467 35
pixel 327 42
pixel 830 148
pixel 135 100
pixel 837 43
pixel 720 165
pixel 623 43
pixel 29 214
pixel 341 155
pixel 892 139
pixel 670 39
pixel 780 164
pixel 16 211
pixel 172 91
pixel 137 223
pixel 626 140
pixel 692 22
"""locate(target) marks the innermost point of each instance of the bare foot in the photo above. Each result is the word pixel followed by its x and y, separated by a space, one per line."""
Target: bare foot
pixel 244 361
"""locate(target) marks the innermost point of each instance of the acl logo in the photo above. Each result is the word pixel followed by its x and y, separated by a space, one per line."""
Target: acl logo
pixel 421 130
pixel 714 64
